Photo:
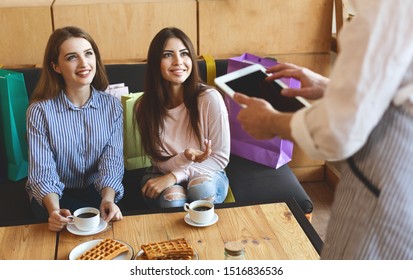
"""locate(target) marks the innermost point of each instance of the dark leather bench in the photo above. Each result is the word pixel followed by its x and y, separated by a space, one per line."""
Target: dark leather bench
pixel 249 181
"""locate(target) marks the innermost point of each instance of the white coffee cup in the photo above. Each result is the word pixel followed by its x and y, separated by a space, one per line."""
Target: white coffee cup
pixel 86 218
pixel 200 211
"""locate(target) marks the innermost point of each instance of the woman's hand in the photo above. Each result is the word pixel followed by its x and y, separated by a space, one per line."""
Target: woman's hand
pixel 197 155
pixel 58 219
pixel 109 211
pixel 155 186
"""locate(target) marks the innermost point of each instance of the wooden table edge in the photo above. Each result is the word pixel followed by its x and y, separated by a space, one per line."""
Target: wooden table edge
pixel 305 225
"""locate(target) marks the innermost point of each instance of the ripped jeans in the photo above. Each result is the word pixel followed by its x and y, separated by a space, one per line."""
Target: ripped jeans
pixel 202 186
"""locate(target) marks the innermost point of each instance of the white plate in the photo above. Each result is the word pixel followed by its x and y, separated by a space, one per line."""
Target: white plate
pixel 192 223
pixel 101 227
pixel 195 257
pixel 83 247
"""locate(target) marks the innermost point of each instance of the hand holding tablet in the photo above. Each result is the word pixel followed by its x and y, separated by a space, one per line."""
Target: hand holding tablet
pixel 251 81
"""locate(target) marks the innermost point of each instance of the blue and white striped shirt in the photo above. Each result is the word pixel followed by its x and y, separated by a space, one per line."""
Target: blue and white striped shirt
pixel 71 147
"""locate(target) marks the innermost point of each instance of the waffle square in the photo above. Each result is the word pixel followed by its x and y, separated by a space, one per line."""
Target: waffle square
pixel 107 249
pixel 175 249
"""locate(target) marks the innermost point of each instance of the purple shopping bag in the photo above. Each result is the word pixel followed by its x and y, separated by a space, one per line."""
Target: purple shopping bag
pixel 246 59
pixel 273 152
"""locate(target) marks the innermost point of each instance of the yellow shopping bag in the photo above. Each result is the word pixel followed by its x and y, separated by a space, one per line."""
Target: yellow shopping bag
pixel 134 156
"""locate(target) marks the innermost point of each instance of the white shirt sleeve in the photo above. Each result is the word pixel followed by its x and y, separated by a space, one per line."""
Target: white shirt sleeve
pixel 374 63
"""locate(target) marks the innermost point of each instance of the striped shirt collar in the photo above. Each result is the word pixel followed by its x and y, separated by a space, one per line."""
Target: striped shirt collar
pixel 65 104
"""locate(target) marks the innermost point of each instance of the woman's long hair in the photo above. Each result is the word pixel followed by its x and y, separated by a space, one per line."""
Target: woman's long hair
pixel 151 107
pixel 51 83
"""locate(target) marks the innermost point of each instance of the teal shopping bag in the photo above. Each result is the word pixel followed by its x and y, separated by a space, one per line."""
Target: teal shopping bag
pixel 13 104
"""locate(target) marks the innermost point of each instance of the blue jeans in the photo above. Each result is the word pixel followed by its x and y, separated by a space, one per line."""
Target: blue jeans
pixel 215 187
pixel 72 200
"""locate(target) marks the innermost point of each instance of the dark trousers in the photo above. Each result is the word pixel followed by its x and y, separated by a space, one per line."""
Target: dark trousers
pixel 72 199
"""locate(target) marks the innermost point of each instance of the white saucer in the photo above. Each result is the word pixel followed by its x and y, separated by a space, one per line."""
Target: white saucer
pixel 83 247
pixel 192 223
pixel 101 227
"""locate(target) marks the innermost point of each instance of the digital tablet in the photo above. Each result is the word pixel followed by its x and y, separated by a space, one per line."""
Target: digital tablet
pixel 251 81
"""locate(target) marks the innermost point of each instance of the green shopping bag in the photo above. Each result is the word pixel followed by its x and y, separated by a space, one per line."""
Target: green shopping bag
pixel 13 103
pixel 134 156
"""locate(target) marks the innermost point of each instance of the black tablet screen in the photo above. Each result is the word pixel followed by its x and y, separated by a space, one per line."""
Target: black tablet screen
pixel 254 85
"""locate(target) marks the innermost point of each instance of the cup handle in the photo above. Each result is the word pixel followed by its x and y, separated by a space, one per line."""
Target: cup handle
pixel 186 207
pixel 72 219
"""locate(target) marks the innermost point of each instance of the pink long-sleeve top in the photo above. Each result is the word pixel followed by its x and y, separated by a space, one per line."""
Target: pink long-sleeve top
pixel 178 136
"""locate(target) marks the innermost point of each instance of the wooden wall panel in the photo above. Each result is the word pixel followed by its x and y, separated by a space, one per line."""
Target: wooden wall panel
pixel 25 26
pixel 232 27
pixel 124 29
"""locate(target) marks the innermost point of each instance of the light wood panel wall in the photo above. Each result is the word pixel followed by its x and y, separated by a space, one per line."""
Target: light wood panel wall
pixel 232 27
pixel 124 29
pixel 25 26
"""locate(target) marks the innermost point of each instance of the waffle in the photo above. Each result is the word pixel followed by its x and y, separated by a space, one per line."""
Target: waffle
pixel 106 249
pixel 176 249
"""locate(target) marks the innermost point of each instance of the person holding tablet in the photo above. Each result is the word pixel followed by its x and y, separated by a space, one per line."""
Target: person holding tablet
pixel 251 80
pixel 74 133
pixel 365 117
pixel 184 127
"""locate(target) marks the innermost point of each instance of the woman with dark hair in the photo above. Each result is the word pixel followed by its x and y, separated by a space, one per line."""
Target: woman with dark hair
pixel 184 127
pixel 74 132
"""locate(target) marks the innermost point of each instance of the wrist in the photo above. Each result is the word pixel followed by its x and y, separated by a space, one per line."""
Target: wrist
pixel 51 211
pixel 173 179
pixel 108 195
pixel 279 125
pixel 51 203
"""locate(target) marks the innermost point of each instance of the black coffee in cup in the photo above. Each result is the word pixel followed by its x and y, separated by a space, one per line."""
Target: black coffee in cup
pixel 86 215
pixel 202 208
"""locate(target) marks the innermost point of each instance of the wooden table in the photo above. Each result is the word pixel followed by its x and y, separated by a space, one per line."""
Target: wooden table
pixel 268 231
pixel 27 242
